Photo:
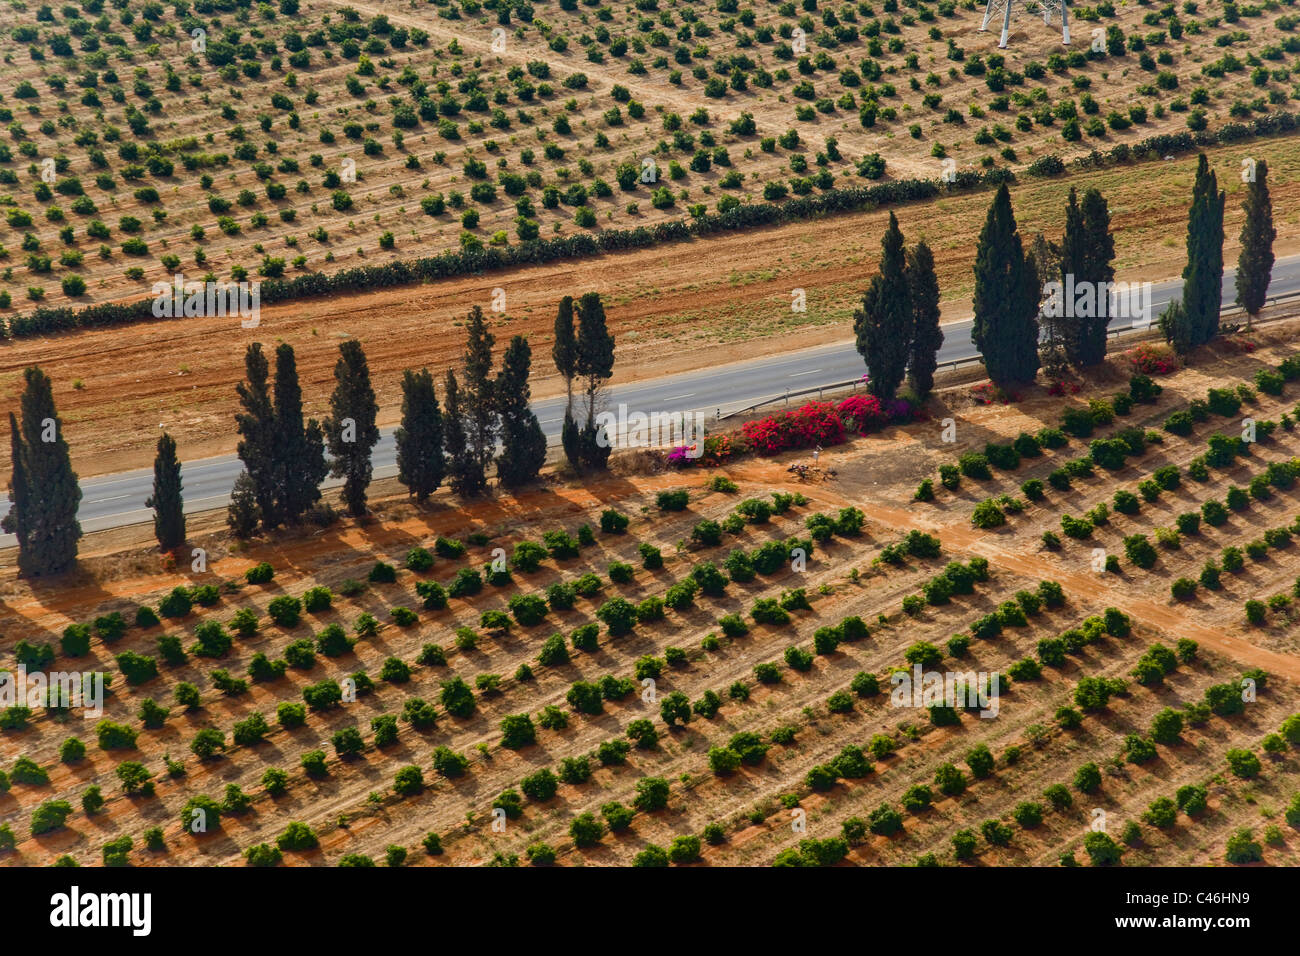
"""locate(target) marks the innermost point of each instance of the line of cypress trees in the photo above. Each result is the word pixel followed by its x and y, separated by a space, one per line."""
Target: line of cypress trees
pixel 283 457
pixel 1194 320
pixel 883 325
pixel 594 365
pixel 1087 253
pixel 1203 291
pixel 564 352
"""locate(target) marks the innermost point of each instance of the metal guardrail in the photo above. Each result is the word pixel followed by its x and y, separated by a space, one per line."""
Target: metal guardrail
pixel 787 396
pixel 955 364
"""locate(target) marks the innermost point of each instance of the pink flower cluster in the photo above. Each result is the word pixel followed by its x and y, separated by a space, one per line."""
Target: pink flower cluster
pixel 817 423
pixel 1152 359
pixel 862 413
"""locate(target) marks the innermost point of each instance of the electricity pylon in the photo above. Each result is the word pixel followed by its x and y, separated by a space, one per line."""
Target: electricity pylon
pixel 993 7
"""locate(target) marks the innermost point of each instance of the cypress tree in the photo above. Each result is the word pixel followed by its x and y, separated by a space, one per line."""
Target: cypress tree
pixel 1099 257
pixel 1203 275
pixel 351 428
pixel 44 488
pixel 1087 251
pixel 884 323
pixel 478 403
pixel 243 512
pixel 256 425
pixel 1255 263
pixel 464 473
pixel 1069 325
pixel 1177 327
pixel 594 364
pixel 300 464
pixel 420 461
pixel 167 502
pixel 565 355
pixel 927 335
pixel 523 449
pixel 1006 298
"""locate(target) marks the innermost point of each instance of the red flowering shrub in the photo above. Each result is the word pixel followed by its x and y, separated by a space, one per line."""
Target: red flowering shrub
pixel 816 423
pixel 1150 358
pixel 986 393
pixel 862 413
pixel 1061 388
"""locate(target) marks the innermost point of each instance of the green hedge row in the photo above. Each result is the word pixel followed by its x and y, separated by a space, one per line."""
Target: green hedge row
pixel 1171 144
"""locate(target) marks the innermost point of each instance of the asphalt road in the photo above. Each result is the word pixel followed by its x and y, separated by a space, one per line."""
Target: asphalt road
pixel 115 500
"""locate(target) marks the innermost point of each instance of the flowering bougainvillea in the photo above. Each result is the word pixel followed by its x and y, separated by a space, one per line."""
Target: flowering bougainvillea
pixel 1150 358
pixel 1064 388
pixel 900 410
pixel 817 423
pixel 862 413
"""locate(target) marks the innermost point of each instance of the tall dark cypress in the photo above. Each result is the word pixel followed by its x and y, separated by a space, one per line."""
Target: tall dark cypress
pixel 1255 263
pixel 1177 327
pixel 256 424
pixel 1006 298
pixel 523 446
pixel 1203 275
pixel 166 501
pixel 1073 328
pixel 927 335
pixel 564 352
pixel 44 488
pixel 594 365
pixel 884 323
pixel 243 512
pixel 478 401
pixel 350 429
pixel 299 450
pixel 420 460
pixel 464 473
